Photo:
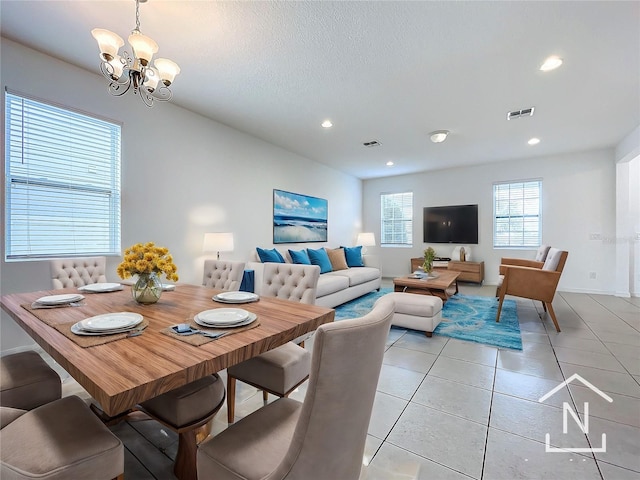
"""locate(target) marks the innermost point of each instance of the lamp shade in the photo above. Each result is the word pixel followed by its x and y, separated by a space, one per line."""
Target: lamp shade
pixel 218 242
pixel 366 239
pixel 167 69
pixel 108 42
pixel 143 47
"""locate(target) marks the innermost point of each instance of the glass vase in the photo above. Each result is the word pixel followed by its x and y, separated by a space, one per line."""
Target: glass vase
pixel 147 289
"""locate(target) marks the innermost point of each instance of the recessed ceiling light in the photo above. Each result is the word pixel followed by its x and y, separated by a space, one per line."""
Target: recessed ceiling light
pixel 551 63
pixel 327 124
pixel 534 141
pixel 389 163
pixel 439 136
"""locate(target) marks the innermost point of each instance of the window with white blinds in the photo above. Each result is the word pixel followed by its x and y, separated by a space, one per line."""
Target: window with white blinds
pixel 396 215
pixel 517 210
pixel 62 182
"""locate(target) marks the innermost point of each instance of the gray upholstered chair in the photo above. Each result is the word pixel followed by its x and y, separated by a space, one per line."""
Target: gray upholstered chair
pixel 184 410
pixel 57 441
pixel 323 437
pixel 77 272
pixel 535 283
pixel 281 370
pixel 26 381
pixel 223 275
pixel 537 262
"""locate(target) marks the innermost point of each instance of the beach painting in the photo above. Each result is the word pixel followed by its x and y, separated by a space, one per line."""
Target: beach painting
pixel 298 218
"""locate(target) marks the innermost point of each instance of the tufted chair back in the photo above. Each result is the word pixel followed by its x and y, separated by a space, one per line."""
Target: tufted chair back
pixel 223 275
pixel 77 272
pixel 289 281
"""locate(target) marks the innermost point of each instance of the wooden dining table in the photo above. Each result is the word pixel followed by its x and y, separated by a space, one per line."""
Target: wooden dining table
pixel 125 372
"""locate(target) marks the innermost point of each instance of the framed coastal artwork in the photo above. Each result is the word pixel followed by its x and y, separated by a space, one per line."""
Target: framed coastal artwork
pixel 298 218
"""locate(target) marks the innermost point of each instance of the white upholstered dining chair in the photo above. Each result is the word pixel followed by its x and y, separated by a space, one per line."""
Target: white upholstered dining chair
pixel 283 369
pixel 323 437
pixel 60 440
pixel 223 275
pixel 77 272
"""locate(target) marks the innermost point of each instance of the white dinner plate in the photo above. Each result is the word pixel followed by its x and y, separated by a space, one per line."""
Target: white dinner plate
pixel 110 321
pixel 250 319
pixel 101 287
pixel 77 329
pixel 222 316
pixel 236 297
pixel 60 299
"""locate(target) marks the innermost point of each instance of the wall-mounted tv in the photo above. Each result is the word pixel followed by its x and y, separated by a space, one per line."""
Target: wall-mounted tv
pixel 451 224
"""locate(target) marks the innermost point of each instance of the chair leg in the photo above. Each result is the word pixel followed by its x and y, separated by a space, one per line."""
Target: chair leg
pixel 499 308
pixel 544 306
pixel 549 308
pixel 184 467
pixel 231 399
pixel 265 396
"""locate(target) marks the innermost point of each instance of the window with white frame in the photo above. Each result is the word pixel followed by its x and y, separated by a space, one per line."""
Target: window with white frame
pixel 396 213
pixel 62 182
pixel 517 213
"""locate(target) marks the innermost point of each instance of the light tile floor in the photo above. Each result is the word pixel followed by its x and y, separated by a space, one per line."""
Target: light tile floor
pixel 448 409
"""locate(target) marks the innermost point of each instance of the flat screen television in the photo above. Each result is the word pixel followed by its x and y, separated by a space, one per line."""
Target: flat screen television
pixel 451 224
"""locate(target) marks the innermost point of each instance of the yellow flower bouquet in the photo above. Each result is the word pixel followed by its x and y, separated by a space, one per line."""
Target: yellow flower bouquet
pixel 148 262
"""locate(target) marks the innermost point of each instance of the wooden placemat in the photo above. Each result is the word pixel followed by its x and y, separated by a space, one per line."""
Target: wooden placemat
pixel 198 340
pixel 48 316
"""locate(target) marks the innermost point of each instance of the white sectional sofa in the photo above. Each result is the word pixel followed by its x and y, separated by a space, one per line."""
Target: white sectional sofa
pixel 336 287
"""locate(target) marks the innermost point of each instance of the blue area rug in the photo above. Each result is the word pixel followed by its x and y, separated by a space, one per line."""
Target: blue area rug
pixel 465 317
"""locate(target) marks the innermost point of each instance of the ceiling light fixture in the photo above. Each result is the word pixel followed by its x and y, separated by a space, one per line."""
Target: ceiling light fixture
pixel 327 124
pixel 551 63
pixel 534 141
pixel 126 71
pixel 439 136
pixel 389 163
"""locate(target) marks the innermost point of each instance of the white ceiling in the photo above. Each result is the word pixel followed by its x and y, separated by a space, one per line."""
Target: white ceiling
pixel 387 71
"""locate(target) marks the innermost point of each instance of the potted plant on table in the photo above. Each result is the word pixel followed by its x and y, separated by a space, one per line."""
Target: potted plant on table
pixel 429 255
pixel 148 262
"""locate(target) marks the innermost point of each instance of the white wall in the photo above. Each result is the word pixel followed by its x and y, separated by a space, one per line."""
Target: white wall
pixel 578 200
pixel 182 175
pixel 628 215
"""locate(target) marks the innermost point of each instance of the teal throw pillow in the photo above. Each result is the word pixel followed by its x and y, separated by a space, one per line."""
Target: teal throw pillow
pixel 319 257
pixel 300 257
pixel 272 256
pixel 354 256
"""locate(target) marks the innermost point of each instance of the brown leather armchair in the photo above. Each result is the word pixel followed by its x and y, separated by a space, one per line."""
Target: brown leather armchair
pixel 538 262
pixel 534 282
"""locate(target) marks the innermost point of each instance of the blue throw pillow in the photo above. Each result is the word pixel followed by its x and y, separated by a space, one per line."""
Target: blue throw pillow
pixel 272 256
pixel 354 256
pixel 319 257
pixel 301 257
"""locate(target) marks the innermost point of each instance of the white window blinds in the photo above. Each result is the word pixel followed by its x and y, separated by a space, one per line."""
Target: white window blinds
pixel 397 218
pixel 517 214
pixel 62 182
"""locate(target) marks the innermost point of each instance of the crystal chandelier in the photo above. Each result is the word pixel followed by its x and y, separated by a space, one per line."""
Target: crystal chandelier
pixel 125 72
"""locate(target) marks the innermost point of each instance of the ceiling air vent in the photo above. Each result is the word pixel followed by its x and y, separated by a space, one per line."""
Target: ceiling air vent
pixel 525 112
pixel 372 143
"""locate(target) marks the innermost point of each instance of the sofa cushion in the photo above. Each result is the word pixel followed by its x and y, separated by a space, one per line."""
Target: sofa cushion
pixel 337 259
pixel 273 255
pixel 330 283
pixel 319 257
pixel 357 276
pixel 354 256
pixel 300 257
